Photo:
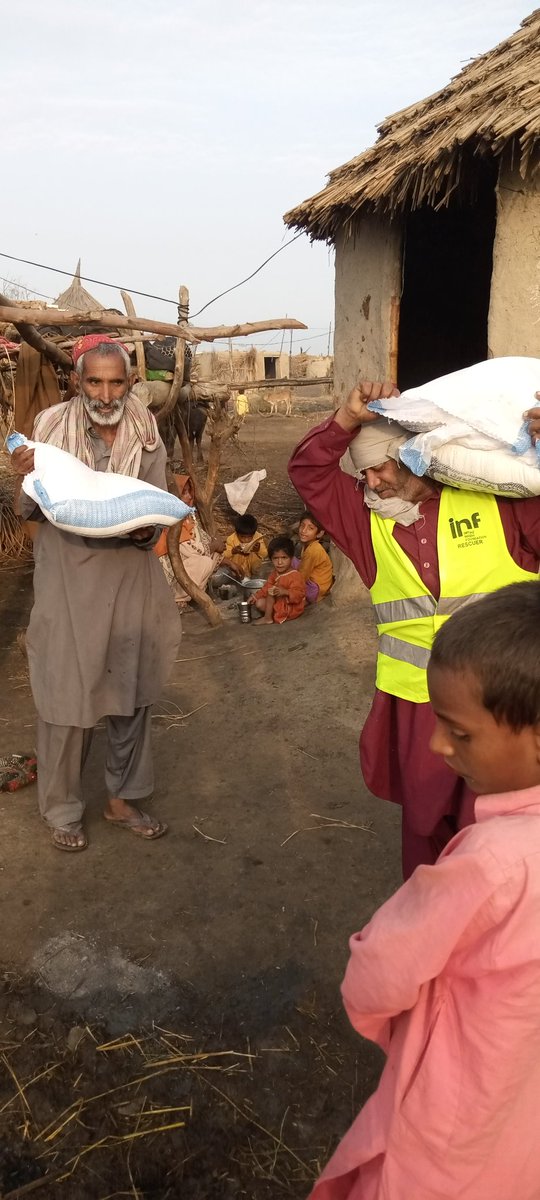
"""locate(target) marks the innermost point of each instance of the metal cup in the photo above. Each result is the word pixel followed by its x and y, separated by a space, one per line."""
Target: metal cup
pixel 244 610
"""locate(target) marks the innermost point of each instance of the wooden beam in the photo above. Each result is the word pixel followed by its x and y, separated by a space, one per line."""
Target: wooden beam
pixel 30 334
pixel 112 320
pixel 393 341
pixel 275 383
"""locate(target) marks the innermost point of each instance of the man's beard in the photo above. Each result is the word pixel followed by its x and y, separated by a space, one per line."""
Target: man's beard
pixel 94 410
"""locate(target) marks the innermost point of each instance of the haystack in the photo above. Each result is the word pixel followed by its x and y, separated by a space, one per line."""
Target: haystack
pixel 76 296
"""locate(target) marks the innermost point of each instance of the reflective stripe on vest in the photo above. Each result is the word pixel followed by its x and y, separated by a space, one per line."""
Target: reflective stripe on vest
pixel 450 604
pixel 421 606
pixel 474 560
pixel 393 647
pixel 405 610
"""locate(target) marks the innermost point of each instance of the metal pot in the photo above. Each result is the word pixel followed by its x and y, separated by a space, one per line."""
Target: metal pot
pixel 250 585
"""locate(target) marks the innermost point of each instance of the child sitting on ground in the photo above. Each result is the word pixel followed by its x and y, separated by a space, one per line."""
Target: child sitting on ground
pixel 314 564
pixel 446 975
pixel 245 549
pixel 283 597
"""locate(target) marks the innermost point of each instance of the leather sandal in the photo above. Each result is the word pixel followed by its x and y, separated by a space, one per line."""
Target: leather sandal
pixel 75 829
pixel 141 824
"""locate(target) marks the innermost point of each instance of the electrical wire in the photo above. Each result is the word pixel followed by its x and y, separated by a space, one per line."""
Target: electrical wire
pixel 248 277
pixel 87 278
pixel 150 295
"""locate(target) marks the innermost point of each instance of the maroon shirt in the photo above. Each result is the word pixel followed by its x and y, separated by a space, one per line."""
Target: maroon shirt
pixel 394 746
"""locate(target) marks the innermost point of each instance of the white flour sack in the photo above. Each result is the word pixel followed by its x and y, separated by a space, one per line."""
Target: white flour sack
pixel 93 503
pixel 470 428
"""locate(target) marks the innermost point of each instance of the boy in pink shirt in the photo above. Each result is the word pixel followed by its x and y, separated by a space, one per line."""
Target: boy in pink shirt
pixel 446 975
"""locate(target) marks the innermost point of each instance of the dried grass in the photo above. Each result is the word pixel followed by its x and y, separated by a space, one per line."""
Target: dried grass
pixel 15 546
pixel 327 823
pixel 173 714
pixel 63 1145
pixel 428 150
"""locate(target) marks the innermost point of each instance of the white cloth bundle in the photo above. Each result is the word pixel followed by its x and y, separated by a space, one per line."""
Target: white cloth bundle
pixel 241 491
pixel 470 427
pixel 93 503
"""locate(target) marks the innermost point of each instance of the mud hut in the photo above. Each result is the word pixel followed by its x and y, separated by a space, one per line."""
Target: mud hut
pixel 437 227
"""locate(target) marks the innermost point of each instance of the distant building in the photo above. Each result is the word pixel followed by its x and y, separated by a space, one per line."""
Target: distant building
pixel 243 366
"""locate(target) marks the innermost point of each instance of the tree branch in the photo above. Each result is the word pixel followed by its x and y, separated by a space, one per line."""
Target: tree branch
pixel 202 599
pixel 111 320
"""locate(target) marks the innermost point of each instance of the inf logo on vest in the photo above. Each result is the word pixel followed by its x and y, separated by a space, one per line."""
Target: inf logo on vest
pixel 457 527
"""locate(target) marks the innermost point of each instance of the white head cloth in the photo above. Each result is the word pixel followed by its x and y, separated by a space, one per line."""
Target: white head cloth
pixel 375 444
pixel 377 441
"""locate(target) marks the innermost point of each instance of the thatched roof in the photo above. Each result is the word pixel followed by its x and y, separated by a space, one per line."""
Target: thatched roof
pixel 424 152
pixel 76 296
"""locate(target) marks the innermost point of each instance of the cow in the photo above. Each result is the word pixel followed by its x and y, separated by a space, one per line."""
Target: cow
pixel 194 403
pixel 275 401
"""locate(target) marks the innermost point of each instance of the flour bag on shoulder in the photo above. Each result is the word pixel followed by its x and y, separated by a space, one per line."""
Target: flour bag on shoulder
pixel 470 427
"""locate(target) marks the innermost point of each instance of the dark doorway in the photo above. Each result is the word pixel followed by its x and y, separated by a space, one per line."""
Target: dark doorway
pixel 447 266
pixel 270 365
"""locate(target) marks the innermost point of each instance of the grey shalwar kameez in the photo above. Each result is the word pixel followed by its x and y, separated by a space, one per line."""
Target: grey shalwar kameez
pixel 103 635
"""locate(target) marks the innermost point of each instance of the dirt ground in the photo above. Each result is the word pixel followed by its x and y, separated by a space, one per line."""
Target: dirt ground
pixel 170 1017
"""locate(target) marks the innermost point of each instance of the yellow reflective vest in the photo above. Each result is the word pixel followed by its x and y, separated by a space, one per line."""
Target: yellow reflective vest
pixel 473 560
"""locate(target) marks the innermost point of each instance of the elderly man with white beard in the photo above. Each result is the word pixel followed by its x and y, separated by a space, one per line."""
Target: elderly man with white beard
pixel 104 629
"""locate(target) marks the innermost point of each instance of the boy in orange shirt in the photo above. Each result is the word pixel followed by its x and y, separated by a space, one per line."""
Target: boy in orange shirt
pixel 314 564
pixel 283 597
pixel 245 549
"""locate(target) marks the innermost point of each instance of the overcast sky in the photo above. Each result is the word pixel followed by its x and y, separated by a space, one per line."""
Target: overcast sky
pixel 162 140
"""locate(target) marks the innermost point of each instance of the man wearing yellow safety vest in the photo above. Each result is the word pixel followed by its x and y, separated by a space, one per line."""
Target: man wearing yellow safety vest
pixel 423 550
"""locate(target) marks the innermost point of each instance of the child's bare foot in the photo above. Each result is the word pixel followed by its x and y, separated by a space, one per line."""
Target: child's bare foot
pixel 264 621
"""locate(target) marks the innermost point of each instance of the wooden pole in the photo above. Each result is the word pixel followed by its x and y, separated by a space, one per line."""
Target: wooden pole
pixel 111 320
pixel 394 339
pixel 179 359
pixel 209 609
pixel 180 356
pixel 222 429
pixel 139 349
